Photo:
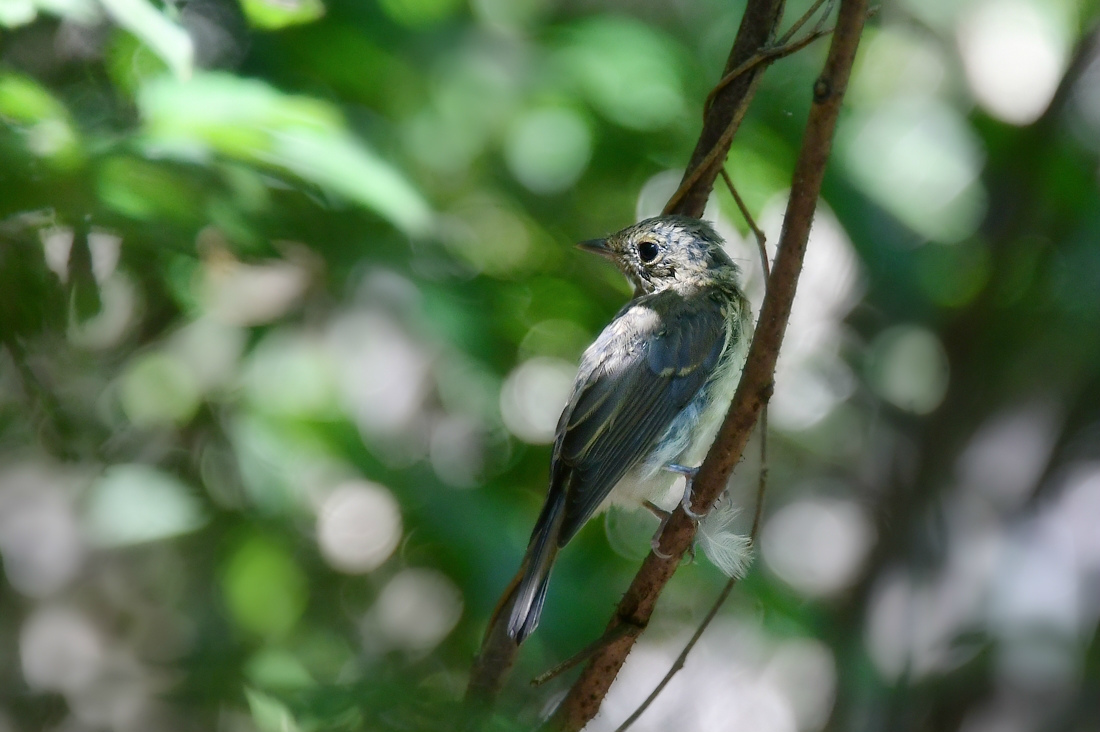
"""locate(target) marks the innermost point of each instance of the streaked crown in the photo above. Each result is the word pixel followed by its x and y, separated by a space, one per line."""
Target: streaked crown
pixel 667 251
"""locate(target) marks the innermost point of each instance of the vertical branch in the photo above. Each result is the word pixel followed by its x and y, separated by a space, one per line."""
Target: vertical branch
pixel 723 116
pixel 587 694
pixel 754 532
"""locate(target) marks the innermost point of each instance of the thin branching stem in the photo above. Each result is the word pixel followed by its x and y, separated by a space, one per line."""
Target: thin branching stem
pixel 726 108
pixel 763 57
pixel 716 606
pixel 783 48
pixel 802 20
pixel 761 240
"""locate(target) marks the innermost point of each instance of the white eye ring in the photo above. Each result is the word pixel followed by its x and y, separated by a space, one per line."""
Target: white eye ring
pixel 648 251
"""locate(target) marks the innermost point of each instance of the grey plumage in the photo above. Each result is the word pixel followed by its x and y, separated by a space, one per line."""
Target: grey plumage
pixel 651 390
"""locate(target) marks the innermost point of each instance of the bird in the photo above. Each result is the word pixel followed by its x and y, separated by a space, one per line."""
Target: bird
pixel 650 391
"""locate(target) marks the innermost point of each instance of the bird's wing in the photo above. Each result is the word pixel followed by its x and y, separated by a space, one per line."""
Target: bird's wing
pixel 645 367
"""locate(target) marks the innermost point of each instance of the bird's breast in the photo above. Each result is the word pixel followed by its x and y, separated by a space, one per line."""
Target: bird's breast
pixel 689 436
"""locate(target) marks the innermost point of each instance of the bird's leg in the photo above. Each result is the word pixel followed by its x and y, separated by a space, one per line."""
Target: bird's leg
pixel 655 542
pixel 689 477
pixel 663 516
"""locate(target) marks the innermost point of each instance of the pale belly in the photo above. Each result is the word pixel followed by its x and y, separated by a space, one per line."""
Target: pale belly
pixel 685 442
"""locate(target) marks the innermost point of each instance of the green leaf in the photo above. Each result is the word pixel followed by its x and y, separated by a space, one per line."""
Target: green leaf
pixel 14 13
pixel 270 714
pixel 146 190
pixel 249 121
pixel 277 668
pixel 129 62
pixel 43 122
pixel 163 36
pixel 276 14
pixel 265 589
pixel 628 71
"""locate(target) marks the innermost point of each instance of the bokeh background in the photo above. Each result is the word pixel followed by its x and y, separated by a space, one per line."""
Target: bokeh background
pixel 289 305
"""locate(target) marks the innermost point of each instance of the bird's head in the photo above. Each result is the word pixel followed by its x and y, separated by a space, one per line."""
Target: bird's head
pixel 667 251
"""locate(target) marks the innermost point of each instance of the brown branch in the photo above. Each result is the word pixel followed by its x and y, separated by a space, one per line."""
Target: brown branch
pixel 761 490
pixel 636 607
pixel 583 655
pixel 723 116
pixel 491 666
pixel 700 175
pixel 761 240
pixel 797 26
pixel 785 47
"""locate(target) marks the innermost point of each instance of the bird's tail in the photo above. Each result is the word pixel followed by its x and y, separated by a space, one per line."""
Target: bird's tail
pixel 530 592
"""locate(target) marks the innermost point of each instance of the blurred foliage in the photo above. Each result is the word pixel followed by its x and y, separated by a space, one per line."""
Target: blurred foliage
pixel 289 307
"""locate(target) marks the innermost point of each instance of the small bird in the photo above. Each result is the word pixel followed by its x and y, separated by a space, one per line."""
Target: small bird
pixel 650 393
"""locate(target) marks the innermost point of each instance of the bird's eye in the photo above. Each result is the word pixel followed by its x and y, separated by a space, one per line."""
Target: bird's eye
pixel 647 251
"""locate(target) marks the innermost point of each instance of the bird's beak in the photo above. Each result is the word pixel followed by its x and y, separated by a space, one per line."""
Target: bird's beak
pixel 597 246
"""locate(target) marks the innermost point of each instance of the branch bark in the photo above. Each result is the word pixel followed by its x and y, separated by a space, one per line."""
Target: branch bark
pixel 723 116
pixel 636 607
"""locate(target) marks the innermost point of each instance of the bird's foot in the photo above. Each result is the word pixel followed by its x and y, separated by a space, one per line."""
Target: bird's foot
pixel 663 516
pixel 689 477
pixel 655 542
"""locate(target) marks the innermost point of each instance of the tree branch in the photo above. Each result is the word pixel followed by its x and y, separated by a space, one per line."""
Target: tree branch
pixel 754 532
pixel 724 114
pixel 761 240
pixel 636 607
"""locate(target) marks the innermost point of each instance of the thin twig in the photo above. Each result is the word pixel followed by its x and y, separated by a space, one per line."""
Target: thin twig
pixel 726 108
pixel 682 658
pixel 586 696
pixel 584 654
pixel 802 20
pixel 785 46
pixel 768 55
pixel 761 240
pixel 828 11
pixel 721 147
pixel 678 664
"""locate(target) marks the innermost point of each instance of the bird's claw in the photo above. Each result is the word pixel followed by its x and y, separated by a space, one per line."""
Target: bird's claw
pixel 664 516
pixel 689 477
pixel 655 545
